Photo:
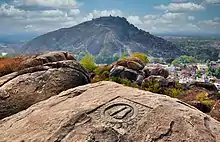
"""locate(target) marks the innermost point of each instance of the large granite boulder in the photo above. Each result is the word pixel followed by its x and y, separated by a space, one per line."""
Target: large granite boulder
pixel 109 112
pixel 21 89
pixel 52 56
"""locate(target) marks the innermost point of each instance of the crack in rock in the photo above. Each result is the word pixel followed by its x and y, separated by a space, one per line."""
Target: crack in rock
pixel 66 128
pixel 168 133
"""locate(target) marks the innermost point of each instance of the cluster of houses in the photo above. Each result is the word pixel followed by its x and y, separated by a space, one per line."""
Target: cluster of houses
pixel 191 73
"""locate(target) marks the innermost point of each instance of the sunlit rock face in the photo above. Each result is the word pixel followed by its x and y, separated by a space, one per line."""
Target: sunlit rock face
pixel 109 112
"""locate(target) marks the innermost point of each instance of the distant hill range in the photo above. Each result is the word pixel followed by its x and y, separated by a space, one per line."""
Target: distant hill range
pixel 104 36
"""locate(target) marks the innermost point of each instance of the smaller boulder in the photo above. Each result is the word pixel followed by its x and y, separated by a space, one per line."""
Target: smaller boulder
pixel 146 72
pixel 154 79
pixel 134 65
pixel 206 85
pixel 131 63
pixel 160 72
pixel 139 79
pixel 122 72
pixel 116 70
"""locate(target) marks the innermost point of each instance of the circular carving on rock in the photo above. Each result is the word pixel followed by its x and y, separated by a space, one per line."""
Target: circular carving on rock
pixel 119 112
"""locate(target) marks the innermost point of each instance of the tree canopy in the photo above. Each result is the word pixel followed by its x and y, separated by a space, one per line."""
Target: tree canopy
pixel 143 57
pixel 88 61
pixel 183 60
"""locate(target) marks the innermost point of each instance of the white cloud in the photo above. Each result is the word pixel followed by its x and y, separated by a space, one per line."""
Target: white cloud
pixel 217 19
pixel 49 19
pixel 10 10
pixel 191 18
pixel 40 21
pixel 180 7
pixel 211 25
pixel 49 3
pixel 212 1
pixel 51 13
pixel 209 22
pixel 169 22
pixel 179 1
pixel 134 20
pixel 167 16
pixel 74 12
pixel 172 16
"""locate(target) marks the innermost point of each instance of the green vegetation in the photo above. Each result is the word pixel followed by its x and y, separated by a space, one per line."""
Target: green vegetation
pixel 214 72
pixel 101 73
pixel 202 48
pixel 172 92
pixel 88 62
pixel 143 57
pixel 217 72
pixel 203 98
pixel 124 56
pixel 156 60
pixel 108 59
pixel 183 60
pixel 153 87
pixel 124 81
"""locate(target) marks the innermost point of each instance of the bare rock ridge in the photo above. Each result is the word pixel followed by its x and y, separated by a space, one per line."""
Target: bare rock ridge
pixel 103 36
pixel 109 112
pixel 39 78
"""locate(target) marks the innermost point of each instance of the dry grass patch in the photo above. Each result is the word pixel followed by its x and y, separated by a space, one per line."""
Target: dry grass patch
pixel 9 65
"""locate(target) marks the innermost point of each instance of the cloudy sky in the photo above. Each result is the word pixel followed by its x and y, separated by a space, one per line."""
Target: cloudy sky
pixel 155 16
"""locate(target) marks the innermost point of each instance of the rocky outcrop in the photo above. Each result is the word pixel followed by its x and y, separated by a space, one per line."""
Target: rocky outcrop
pixel 131 63
pixel 206 85
pixel 47 57
pixel 130 68
pixel 21 89
pixel 135 70
pixel 160 72
pixel 109 112
pixel 161 81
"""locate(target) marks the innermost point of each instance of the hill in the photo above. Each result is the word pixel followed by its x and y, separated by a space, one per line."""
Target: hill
pixel 103 37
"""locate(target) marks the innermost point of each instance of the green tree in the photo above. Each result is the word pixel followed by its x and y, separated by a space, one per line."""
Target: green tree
pixel 155 60
pixel 217 72
pixel 88 61
pixel 124 56
pixel 184 60
pixel 143 57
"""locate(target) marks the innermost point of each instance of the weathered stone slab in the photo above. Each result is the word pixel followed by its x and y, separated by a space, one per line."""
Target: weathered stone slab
pixel 109 112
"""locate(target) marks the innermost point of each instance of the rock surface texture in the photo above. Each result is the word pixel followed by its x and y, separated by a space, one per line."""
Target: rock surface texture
pixel 109 112
pixel 130 69
pixel 21 89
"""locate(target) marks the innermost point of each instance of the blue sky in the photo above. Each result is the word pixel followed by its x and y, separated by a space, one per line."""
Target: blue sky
pixel 155 16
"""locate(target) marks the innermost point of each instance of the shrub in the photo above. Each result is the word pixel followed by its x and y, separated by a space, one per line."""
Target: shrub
pixel 101 73
pixel 203 98
pixel 184 60
pixel 88 62
pixel 143 57
pixel 153 87
pixel 124 81
pixel 172 92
